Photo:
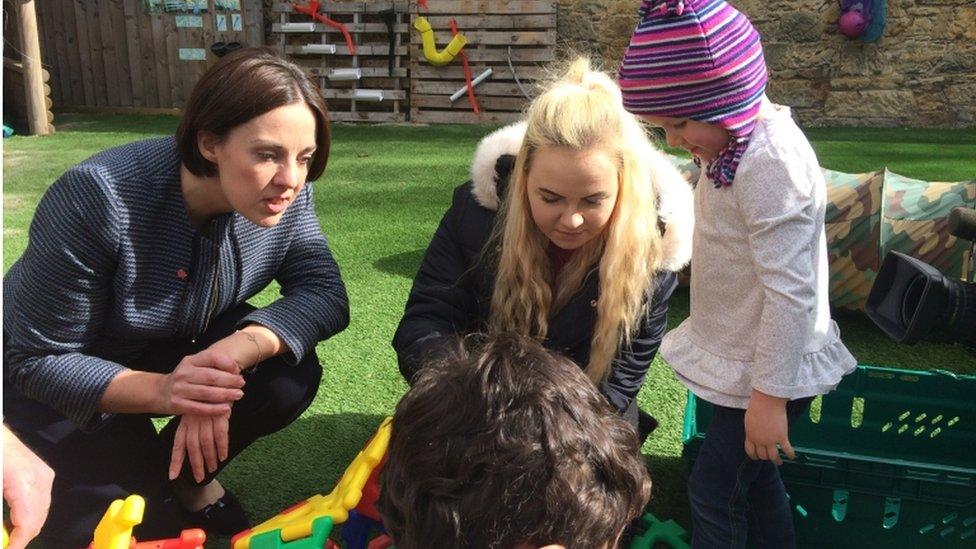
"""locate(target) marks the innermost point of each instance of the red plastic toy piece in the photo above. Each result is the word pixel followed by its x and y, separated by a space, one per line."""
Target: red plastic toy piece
pixel 467 72
pixel 189 539
pixel 381 542
pixel 371 493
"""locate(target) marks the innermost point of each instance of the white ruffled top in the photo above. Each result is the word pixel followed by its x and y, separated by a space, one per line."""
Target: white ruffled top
pixel 760 318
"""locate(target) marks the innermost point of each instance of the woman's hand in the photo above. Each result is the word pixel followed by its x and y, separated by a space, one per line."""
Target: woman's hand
pixel 26 488
pixel 206 383
pixel 767 429
pixel 203 441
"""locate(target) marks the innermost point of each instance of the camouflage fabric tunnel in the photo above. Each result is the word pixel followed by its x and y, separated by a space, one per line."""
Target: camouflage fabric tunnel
pixel 870 214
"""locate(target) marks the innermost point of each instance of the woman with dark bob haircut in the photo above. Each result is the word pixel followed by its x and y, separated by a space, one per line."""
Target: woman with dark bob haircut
pixel 130 302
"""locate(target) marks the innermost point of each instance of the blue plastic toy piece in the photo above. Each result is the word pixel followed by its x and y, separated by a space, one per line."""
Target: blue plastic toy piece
pixel 357 528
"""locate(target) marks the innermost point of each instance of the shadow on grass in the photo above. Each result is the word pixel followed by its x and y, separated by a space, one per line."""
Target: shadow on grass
pixel 669 493
pixel 403 264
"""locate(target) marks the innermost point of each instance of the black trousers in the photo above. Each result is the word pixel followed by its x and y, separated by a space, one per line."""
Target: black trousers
pixel 127 456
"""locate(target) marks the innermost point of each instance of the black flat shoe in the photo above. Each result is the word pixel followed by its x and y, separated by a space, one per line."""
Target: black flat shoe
pixel 224 516
pixel 646 424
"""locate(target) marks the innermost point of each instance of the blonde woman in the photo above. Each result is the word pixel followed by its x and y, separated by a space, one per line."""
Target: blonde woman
pixel 569 232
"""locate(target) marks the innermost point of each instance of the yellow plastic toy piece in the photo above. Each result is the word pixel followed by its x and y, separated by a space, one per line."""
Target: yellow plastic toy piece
pixel 434 57
pixel 114 531
pixel 6 540
pixel 296 522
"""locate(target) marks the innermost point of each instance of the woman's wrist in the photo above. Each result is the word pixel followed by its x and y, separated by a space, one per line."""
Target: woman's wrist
pixel 257 346
pixel 250 345
pixel 135 391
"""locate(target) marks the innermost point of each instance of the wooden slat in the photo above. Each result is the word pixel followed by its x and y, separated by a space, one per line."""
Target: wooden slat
pixel 123 110
pixel 200 38
pixel 361 116
pixel 458 117
pixel 485 102
pixel 164 89
pixel 360 27
pixel 74 57
pixel 332 8
pixel 171 47
pixel 186 69
pixel 454 71
pixel 368 72
pixel 97 58
pixel 342 49
pixel 438 87
pixel 397 61
pixel 148 61
pixel 338 93
pixel 84 52
pixel 490 22
pixel 131 19
pixel 494 38
pixel 108 52
pixel 253 21
pixel 121 45
pixel 488 7
pixel 500 55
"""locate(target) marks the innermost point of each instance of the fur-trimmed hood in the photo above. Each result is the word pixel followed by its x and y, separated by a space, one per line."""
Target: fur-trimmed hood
pixel 674 195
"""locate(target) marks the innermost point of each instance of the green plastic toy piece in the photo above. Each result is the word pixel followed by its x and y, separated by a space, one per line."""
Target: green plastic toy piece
pixel 655 532
pixel 321 528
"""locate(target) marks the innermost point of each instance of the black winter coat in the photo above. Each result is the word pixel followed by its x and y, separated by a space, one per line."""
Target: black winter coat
pixel 451 296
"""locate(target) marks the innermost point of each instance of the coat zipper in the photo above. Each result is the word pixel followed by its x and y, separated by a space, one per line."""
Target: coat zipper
pixel 214 297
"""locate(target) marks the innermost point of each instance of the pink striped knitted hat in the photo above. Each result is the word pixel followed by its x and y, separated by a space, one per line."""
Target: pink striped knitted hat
pixel 697 59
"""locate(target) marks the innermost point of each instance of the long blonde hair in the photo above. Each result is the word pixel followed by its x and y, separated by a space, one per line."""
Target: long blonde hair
pixel 582 109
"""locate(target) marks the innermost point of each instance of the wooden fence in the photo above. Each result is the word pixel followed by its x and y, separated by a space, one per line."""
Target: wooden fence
pixel 140 54
pixel 143 55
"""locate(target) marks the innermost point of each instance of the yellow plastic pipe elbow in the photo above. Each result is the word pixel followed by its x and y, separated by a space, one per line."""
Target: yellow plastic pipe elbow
pixel 434 57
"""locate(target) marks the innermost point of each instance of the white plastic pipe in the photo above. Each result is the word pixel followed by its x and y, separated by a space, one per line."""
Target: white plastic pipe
pixel 368 95
pixel 346 74
pixel 318 48
pixel 464 89
pixel 298 27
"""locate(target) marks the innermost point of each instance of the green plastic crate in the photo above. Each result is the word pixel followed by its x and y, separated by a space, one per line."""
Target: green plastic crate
pixel 886 460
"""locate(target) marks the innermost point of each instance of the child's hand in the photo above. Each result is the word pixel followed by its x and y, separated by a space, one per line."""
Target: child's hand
pixel 767 428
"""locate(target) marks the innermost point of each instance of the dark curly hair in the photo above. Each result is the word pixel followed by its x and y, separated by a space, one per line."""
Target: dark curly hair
pixel 505 443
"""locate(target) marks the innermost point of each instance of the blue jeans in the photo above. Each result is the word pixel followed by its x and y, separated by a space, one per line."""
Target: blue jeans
pixel 734 498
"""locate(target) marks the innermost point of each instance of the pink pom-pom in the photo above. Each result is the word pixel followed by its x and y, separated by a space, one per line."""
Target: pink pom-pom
pixel 851 23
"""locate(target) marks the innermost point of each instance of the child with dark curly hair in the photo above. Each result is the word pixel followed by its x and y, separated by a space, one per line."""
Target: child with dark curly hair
pixel 505 444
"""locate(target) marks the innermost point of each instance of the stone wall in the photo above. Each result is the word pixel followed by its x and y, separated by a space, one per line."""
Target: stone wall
pixel 921 73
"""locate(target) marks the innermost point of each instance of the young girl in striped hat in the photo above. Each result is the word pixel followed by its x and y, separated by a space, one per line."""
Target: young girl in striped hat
pixel 759 343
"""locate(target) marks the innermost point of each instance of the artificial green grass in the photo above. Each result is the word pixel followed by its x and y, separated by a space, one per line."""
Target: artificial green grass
pixel 380 200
